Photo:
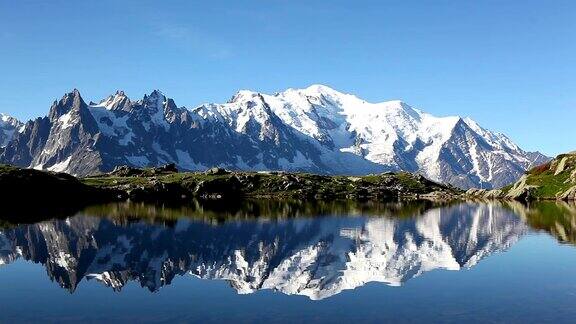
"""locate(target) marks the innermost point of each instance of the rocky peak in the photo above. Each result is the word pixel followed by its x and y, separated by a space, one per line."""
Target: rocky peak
pixel 9 127
pixel 243 96
pixel 71 101
pixel 9 120
pixel 318 90
pixel 154 96
pixel 154 102
pixel 117 101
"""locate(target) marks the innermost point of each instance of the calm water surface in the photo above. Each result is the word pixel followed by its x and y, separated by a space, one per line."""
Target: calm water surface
pixel 293 262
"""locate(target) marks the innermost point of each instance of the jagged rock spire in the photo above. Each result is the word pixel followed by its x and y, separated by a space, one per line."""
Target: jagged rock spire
pixel 70 101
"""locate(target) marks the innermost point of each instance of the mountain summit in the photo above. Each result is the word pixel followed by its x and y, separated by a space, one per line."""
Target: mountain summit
pixel 9 126
pixel 316 129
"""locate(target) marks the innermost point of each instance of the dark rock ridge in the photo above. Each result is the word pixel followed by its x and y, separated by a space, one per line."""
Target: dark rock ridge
pixel 316 130
pixel 30 187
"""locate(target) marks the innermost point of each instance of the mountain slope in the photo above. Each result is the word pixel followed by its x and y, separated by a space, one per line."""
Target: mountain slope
pixel 316 129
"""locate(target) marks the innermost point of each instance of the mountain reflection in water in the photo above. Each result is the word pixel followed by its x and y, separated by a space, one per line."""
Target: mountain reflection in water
pixel 316 250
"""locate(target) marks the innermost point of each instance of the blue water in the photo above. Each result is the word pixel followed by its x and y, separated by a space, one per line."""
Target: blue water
pixel 464 263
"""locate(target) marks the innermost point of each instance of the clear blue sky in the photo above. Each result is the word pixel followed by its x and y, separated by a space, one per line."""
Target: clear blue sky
pixel 510 65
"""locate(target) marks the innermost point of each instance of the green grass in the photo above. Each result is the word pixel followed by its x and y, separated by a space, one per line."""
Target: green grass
pixel 110 181
pixel 409 181
pixel 104 182
pixel 549 186
pixel 274 184
pixel 7 168
pixel 507 188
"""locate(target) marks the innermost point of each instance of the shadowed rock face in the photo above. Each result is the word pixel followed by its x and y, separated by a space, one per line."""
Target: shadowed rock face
pixel 316 130
pixel 313 256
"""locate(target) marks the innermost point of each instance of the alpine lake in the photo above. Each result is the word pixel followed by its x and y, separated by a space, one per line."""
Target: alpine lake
pixel 267 261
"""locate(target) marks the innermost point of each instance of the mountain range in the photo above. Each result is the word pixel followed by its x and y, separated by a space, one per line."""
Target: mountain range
pixel 316 129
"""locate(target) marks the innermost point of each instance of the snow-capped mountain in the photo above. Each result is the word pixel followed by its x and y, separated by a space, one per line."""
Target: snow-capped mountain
pixel 9 126
pixel 316 129
pixel 317 257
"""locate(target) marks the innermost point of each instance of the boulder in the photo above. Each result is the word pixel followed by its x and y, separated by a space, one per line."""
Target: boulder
pixel 494 194
pixel 125 171
pixel 217 171
pixel 521 190
pixel 569 194
pixel 290 182
pixel 168 168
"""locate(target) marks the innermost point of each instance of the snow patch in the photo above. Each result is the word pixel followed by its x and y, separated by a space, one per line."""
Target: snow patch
pixel 66 120
pixel 60 166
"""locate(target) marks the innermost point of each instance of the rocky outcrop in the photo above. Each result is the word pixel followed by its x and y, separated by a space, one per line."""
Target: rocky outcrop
pixel 216 171
pixel 555 180
pixel 485 194
pixel 569 194
pixel 25 190
pixel 520 190
pixel 128 171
